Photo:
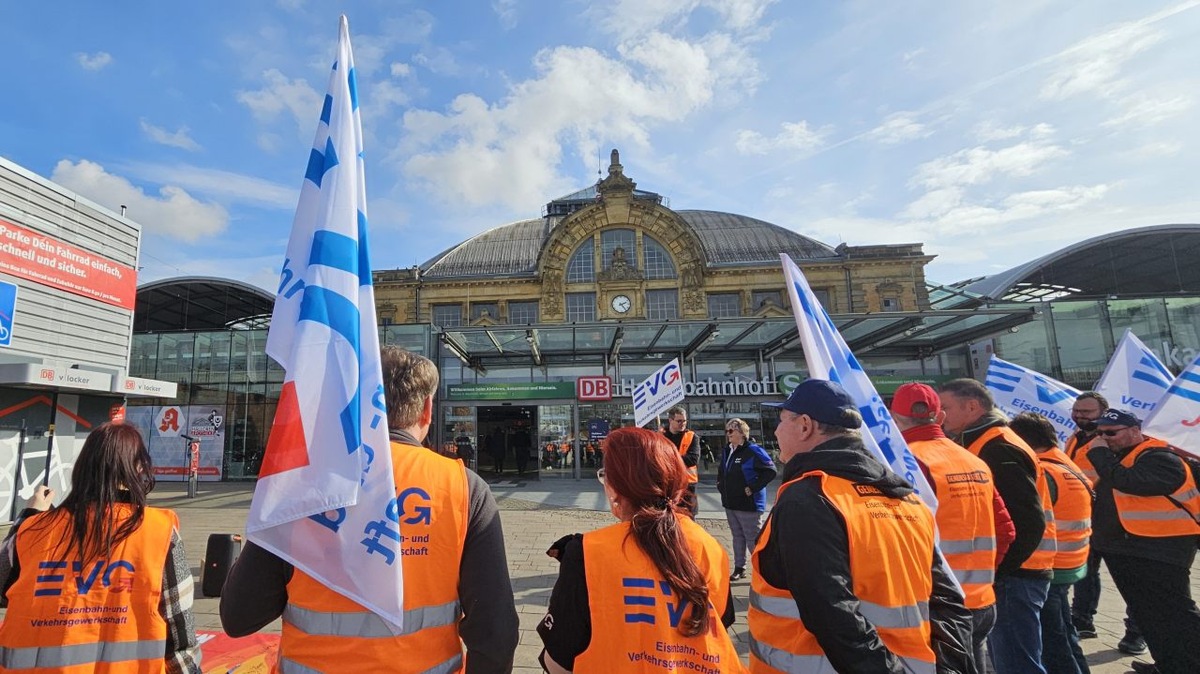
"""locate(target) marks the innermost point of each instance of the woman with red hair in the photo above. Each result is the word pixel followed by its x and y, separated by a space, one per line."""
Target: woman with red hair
pixel 649 593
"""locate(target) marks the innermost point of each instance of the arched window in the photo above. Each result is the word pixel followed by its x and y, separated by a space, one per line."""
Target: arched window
pixel 582 267
pixel 611 240
pixel 657 260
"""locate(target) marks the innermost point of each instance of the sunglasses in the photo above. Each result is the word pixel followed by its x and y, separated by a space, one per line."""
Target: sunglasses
pixel 1109 434
pixel 600 475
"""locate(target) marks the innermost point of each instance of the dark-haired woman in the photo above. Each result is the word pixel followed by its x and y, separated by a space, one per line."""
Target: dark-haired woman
pixel 100 583
pixel 650 593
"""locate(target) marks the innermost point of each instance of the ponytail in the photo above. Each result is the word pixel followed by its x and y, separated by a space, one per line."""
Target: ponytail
pixel 656 531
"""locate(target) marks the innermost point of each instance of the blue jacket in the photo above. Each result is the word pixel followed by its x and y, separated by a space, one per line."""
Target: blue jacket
pixel 747 465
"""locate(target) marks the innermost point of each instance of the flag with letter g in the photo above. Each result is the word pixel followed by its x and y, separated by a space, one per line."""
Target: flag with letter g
pixel 829 358
pixel 325 493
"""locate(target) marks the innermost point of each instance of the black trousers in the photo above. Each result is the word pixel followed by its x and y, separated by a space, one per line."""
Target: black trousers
pixel 1159 597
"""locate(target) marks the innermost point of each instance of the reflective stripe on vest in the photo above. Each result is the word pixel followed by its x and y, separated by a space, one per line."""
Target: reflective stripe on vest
pixel 783 661
pixel 975 576
pixel 1176 514
pixel 965 517
pixel 898 617
pixel 368 625
pixel 448 667
pixel 81 654
pixel 1042 558
pixel 892 598
pixel 981 544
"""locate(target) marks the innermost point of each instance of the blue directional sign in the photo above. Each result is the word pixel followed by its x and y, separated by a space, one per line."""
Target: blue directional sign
pixel 8 308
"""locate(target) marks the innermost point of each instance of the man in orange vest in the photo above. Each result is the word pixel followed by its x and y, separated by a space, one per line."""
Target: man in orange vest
pixel 1023 577
pixel 1072 496
pixel 688 444
pixel 969 508
pixel 1146 524
pixel 820 598
pixel 457 590
pixel 1085 412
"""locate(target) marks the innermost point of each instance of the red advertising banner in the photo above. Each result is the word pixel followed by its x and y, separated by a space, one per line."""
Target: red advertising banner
pixel 45 260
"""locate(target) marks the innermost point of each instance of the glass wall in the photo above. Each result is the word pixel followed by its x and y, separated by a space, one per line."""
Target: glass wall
pixel 1073 340
pixel 230 371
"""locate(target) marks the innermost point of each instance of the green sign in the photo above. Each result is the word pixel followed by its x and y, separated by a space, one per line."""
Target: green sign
pixel 886 385
pixel 548 390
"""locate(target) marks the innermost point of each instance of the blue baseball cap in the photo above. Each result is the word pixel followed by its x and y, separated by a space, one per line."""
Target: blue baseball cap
pixel 1115 417
pixel 824 401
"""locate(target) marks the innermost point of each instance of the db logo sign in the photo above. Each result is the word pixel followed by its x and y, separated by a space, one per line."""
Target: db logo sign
pixel 593 388
pixel 129 384
pixel 47 374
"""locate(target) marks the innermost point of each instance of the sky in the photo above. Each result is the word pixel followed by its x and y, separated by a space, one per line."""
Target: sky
pixel 992 133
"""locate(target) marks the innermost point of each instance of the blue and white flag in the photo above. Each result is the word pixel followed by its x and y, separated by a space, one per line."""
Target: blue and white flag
pixel 830 359
pixel 325 494
pixel 1176 417
pixel 1018 389
pixel 1135 379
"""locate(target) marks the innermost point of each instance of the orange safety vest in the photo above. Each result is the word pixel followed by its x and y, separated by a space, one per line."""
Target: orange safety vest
pixel 893 596
pixel 965 517
pixel 1072 510
pixel 1159 516
pixel 685 442
pixel 326 632
pixel 634 612
pixel 1077 453
pixel 1042 558
pixel 102 615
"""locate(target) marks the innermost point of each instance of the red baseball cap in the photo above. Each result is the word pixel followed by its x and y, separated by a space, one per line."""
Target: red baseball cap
pixel 915 394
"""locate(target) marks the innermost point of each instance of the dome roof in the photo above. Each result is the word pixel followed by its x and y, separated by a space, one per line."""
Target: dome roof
pixel 728 239
pixel 1143 261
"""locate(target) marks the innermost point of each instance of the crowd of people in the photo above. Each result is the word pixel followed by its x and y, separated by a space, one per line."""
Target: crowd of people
pixel 849 570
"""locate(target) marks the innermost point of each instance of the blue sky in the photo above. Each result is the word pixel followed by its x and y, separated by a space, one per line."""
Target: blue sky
pixel 991 132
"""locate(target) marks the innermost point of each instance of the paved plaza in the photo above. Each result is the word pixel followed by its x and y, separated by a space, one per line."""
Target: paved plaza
pixel 535 513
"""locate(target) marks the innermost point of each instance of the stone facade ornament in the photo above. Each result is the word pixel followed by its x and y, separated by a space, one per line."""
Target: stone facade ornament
pixel 619 268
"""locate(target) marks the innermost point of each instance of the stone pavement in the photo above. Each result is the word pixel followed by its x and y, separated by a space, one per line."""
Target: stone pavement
pixel 536 513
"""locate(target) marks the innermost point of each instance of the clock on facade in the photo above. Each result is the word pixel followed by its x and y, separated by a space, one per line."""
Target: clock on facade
pixel 621 303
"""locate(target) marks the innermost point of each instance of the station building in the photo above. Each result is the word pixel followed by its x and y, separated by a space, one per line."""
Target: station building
pixel 609 281
pixel 612 282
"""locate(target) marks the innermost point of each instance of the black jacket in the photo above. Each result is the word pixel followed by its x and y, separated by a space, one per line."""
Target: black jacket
pixel 747 465
pixel 1155 473
pixel 1015 475
pixel 808 552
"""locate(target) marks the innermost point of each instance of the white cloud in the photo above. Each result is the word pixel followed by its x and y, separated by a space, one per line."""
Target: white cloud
pixel 506 11
pixel 173 213
pixel 225 186
pixel 978 165
pixel 1094 65
pixel 401 69
pixel 438 60
pixel 94 62
pixel 899 128
pixel 179 139
pixel 910 57
pixel 793 136
pixel 1141 111
pixel 988 131
pixel 477 152
pixel 281 94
